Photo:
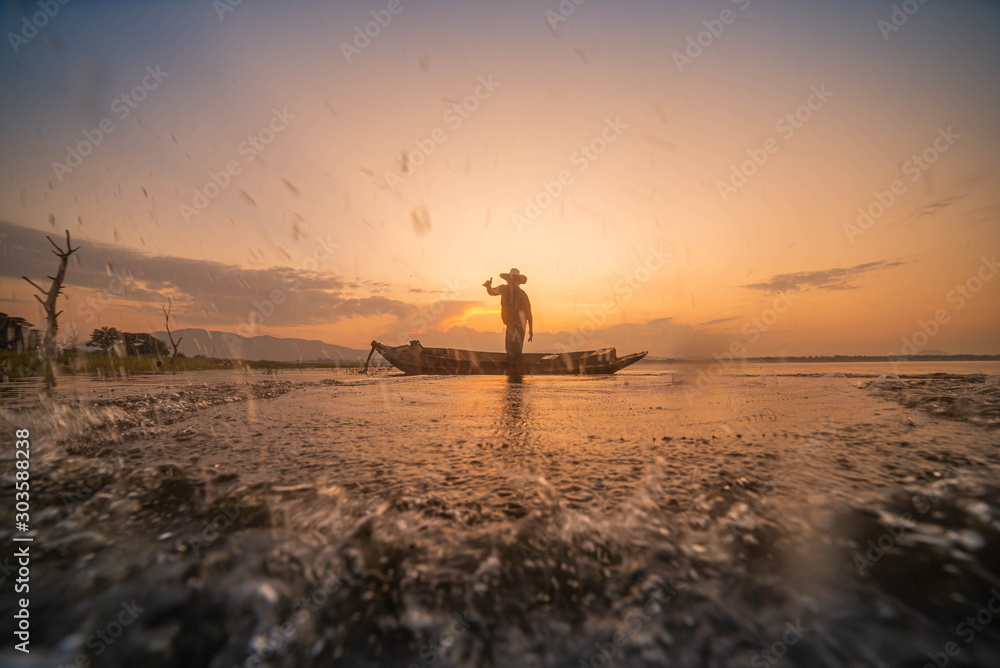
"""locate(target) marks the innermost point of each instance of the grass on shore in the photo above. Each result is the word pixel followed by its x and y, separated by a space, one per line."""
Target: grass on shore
pixel 29 364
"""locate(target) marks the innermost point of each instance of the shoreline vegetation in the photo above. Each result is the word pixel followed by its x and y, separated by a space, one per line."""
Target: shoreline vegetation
pixel 104 365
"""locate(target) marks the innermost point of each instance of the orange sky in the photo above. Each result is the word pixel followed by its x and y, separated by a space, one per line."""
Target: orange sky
pixel 605 77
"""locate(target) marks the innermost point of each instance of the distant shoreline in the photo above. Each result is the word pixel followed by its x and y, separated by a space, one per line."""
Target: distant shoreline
pixel 14 365
pixel 830 359
pixel 28 365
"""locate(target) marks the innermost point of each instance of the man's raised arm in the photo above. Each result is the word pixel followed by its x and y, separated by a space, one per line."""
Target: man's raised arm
pixel 490 289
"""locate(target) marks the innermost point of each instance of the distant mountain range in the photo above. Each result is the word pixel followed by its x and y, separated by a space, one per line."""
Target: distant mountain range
pixel 230 346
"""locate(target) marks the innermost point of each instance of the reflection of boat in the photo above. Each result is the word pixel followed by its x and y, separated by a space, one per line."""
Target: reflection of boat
pixel 415 359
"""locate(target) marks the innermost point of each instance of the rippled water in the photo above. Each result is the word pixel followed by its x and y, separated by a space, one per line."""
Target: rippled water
pixel 23 392
pixel 386 520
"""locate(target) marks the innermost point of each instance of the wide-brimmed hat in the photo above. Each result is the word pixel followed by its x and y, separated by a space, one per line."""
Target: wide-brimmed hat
pixel 515 276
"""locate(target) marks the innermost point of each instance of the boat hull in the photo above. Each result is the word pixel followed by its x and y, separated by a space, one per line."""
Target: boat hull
pixel 414 359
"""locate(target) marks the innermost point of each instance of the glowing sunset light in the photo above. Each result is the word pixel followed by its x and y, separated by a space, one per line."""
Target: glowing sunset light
pixel 797 150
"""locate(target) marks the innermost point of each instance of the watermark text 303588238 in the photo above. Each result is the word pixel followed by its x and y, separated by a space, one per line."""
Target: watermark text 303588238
pixel 22 475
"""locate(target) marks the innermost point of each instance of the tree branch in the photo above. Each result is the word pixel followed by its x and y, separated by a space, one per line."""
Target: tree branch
pixel 37 287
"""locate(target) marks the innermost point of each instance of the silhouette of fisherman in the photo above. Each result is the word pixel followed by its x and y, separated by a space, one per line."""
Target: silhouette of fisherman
pixel 515 311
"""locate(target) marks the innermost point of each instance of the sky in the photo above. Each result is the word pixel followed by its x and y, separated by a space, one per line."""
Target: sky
pixel 688 178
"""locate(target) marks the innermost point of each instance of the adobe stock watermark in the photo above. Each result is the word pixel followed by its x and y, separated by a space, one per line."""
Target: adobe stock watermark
pixel 893 532
pixel 540 542
pixel 223 7
pixel 696 44
pixel 122 107
pixel 454 116
pixel 266 307
pixel 266 646
pixel 636 617
pixel 959 297
pixel 90 309
pixel 624 289
pixel 581 159
pixel 85 489
pixel 915 168
pixel 761 499
pixel 430 653
pixel 752 330
pixel 426 315
pixel 792 635
pixel 248 148
pixel 565 10
pixel 786 126
pixel 901 13
pixel 967 630
pixel 99 640
pixel 215 527
pixel 364 34
pixel 30 26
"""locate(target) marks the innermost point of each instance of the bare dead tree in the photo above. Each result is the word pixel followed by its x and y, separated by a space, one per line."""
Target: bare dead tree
pixel 49 304
pixel 166 316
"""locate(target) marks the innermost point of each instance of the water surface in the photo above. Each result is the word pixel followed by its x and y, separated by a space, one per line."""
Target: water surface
pixel 475 521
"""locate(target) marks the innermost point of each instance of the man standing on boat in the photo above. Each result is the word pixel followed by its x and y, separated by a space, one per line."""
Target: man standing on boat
pixel 515 311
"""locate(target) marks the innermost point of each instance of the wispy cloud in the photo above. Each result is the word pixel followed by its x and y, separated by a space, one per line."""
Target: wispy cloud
pixel 845 278
pixel 943 203
pixel 717 321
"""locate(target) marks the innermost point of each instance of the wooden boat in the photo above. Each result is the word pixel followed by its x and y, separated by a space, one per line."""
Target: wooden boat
pixel 414 359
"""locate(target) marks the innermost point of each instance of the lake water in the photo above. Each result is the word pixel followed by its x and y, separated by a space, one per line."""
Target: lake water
pixel 641 519
pixel 84 387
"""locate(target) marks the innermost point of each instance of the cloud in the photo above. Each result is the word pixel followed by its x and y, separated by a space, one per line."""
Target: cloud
pixel 204 292
pixel 369 307
pixel 425 291
pixel 418 321
pixel 826 279
pixel 943 203
pixel 717 321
